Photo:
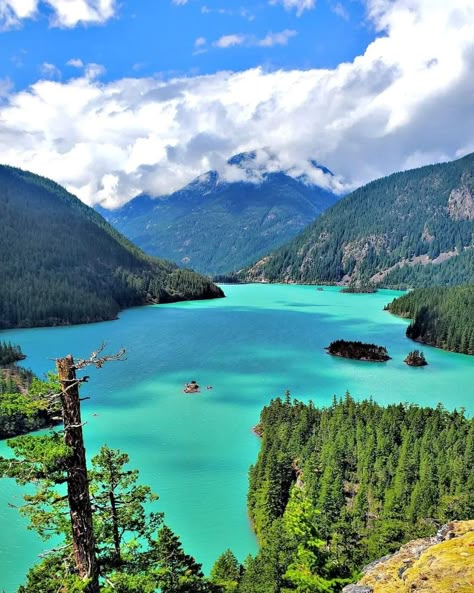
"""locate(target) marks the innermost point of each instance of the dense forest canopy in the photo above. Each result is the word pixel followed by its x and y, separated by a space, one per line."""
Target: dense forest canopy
pixel 413 228
pixel 65 264
pixel 357 477
pixel 442 316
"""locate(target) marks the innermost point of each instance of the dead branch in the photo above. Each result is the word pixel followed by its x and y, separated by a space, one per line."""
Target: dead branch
pixel 97 360
pixel 54 550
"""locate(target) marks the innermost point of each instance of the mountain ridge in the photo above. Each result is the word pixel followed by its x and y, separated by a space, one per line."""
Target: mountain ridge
pixel 214 224
pixel 416 228
pixel 65 264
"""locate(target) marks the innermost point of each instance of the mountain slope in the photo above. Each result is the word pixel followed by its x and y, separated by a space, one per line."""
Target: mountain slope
pixel 409 229
pixel 62 263
pixel 214 226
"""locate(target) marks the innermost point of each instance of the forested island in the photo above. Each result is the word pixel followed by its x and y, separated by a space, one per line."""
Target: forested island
pixel 359 289
pixel 441 316
pixel 358 351
pixel 337 487
pixel 415 358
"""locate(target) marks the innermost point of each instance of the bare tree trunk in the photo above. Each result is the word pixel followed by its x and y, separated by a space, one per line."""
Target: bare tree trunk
pixel 113 506
pixel 77 481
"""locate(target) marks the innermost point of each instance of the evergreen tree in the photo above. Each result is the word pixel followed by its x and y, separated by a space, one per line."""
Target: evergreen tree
pixel 226 571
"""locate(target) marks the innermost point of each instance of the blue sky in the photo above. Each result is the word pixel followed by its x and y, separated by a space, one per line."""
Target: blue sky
pixel 113 98
pixel 158 37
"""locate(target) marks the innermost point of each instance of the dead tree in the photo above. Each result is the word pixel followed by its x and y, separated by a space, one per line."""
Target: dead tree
pixel 80 508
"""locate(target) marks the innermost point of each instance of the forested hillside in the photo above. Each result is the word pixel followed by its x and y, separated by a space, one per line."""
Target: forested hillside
pixel 337 487
pixel 62 263
pixel 21 408
pixel 442 316
pixel 409 229
pixel 214 226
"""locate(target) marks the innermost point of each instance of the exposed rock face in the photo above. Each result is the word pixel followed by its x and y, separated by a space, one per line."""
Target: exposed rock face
pixel 461 204
pixel 440 564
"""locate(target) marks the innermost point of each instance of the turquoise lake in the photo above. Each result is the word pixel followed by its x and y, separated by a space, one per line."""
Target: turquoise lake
pixel 195 450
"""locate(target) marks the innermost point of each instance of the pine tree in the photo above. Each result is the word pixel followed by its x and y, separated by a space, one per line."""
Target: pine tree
pixel 226 571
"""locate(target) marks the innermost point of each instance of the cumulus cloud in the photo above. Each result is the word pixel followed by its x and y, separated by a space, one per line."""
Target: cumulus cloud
pixel 299 5
pixel 406 101
pixel 65 13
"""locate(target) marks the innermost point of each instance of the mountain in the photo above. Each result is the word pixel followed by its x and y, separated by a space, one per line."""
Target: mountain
pixel 62 263
pixel 214 225
pixel 414 228
pixel 443 563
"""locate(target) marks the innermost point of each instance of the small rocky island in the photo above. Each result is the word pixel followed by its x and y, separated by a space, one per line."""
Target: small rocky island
pixel 192 387
pixel 415 358
pixel 359 289
pixel 358 351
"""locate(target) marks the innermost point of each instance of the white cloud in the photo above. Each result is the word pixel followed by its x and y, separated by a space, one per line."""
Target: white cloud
pixel 299 5
pixel 277 38
pixel 406 101
pixel 200 46
pixel 230 41
pixel 6 87
pixel 50 71
pixel 75 63
pixel 243 12
pixel 65 13
pixel 270 40
pixel 180 2
pixel 340 10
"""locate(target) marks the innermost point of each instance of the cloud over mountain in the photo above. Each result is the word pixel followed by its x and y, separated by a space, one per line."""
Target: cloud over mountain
pixel 405 102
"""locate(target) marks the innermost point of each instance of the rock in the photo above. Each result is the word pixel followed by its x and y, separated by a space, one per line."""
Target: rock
pixel 440 564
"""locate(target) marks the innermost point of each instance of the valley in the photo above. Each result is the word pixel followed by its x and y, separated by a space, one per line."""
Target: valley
pixel 195 451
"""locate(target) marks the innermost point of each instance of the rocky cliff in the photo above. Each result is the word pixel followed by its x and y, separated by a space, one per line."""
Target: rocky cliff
pixel 440 564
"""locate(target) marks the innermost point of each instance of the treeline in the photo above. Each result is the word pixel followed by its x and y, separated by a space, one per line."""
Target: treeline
pixel 442 316
pixel 21 410
pixel 65 264
pixel 10 353
pixel 337 487
pixel 385 223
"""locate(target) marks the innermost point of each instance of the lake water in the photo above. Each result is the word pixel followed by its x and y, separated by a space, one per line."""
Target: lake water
pixel 195 450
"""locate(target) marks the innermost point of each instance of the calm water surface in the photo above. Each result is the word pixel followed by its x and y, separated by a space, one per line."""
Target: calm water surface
pixel 195 450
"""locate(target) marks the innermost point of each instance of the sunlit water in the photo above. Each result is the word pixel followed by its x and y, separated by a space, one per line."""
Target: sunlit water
pixel 195 450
